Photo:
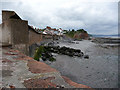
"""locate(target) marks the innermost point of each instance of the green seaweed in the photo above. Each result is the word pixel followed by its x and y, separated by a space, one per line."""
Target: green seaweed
pixel 38 53
pixel 52 59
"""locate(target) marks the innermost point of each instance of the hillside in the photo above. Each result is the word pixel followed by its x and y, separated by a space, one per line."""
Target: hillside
pixel 78 34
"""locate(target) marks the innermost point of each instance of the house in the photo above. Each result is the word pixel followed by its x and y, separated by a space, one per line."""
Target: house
pixel 53 31
pixel 47 30
pixel 60 31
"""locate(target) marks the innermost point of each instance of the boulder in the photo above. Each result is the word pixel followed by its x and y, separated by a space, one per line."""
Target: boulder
pixel 44 59
pixel 78 50
pixel 80 55
pixel 86 56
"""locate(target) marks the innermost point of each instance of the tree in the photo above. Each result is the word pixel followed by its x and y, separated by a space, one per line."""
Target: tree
pixel 73 30
pixel 81 30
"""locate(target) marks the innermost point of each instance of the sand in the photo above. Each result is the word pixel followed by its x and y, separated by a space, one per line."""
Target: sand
pixel 99 71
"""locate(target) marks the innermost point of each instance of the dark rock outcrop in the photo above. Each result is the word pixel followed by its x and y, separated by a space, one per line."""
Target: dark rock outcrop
pixel 86 57
pixel 64 50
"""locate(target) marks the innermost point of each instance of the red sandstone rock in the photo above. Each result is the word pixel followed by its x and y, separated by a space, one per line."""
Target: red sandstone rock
pixel 40 83
pixel 81 36
pixel 39 67
pixel 76 85
pixel 4 60
pixel 23 57
pixel 14 51
pixel 11 86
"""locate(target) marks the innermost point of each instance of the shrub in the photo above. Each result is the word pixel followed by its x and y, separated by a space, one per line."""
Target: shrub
pixel 38 53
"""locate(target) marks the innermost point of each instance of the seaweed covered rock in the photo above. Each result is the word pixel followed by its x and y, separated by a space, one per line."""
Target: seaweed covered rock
pixel 45 52
pixel 65 50
pixel 38 53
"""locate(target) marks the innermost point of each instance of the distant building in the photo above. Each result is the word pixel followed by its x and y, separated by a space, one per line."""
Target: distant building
pixel 60 31
pixel 53 31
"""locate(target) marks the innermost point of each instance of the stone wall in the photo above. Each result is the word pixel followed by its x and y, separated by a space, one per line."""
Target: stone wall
pixel 6 15
pixel 6 33
pixel 0 35
pixel 34 37
pixel 20 35
pixel 15 31
pixel 19 31
pixel 46 36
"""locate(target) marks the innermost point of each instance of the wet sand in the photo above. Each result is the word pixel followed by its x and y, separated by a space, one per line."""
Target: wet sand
pixel 99 71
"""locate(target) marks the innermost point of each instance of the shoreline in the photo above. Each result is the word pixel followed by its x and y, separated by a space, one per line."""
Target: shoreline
pixel 108 40
pixel 97 68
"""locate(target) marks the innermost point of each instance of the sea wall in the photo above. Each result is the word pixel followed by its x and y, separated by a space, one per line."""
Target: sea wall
pixel 34 37
pixel 6 33
pixel 6 15
pixel 15 31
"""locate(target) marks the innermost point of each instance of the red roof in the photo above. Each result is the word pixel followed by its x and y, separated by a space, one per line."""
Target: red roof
pixel 54 29
pixel 48 27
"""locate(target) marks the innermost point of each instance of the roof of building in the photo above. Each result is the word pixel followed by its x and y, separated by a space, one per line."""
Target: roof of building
pixel 48 27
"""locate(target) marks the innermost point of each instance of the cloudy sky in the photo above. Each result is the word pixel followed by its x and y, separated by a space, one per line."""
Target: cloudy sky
pixel 95 16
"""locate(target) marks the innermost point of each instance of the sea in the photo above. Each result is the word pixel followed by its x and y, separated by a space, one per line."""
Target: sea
pixel 107 36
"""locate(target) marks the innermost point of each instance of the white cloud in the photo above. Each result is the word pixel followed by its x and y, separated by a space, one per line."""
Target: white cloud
pixel 96 16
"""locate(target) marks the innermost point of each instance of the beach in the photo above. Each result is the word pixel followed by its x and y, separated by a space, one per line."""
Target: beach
pixel 99 71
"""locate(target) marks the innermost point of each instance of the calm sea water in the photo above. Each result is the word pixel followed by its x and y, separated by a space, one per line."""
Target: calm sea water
pixel 107 36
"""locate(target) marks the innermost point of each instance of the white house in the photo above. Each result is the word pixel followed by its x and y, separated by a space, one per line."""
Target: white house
pixel 53 31
pixel 60 31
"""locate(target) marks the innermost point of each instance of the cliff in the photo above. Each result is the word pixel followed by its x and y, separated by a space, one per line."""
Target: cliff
pixel 78 34
pixel 81 36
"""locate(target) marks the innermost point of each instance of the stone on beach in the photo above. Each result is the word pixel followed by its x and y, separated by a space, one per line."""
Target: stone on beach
pixel 86 56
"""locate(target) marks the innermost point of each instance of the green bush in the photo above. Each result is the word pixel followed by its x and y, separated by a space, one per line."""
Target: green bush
pixel 73 32
pixel 38 53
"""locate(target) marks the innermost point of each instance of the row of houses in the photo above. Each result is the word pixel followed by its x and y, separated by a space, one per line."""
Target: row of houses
pixel 49 30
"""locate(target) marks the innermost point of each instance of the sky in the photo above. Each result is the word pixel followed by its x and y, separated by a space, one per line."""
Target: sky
pixel 95 16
